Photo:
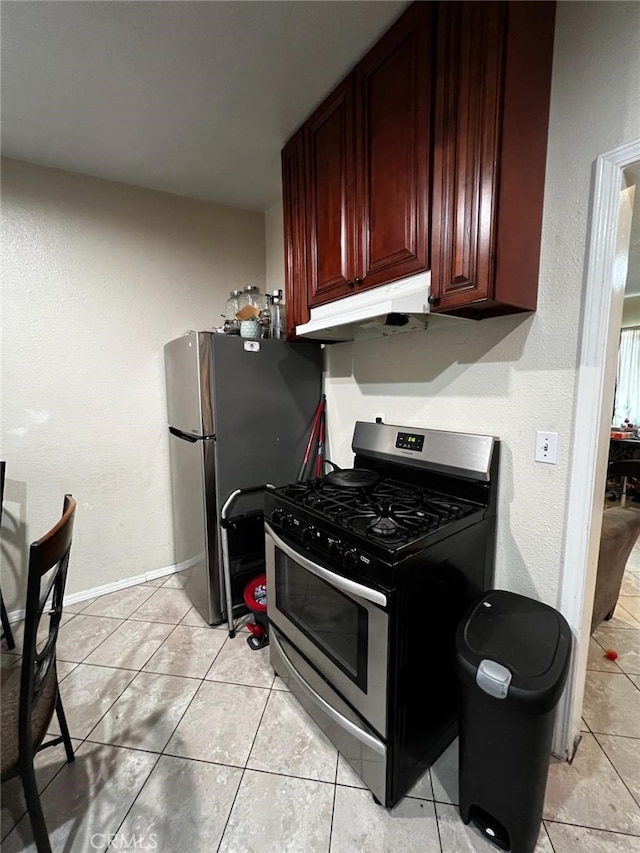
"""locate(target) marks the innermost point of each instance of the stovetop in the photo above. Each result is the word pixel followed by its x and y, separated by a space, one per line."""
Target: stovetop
pixel 366 534
pixel 390 513
pixel 427 486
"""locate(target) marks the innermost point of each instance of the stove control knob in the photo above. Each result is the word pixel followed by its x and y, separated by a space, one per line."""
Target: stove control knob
pixel 336 548
pixel 350 558
pixel 309 534
pixel 284 519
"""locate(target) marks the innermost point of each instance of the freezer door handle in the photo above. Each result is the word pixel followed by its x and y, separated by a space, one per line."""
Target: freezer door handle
pixel 190 438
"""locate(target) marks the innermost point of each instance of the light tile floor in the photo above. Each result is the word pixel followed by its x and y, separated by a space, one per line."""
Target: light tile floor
pixel 186 741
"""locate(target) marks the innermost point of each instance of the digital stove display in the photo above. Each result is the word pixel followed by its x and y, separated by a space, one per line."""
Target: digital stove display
pixel 409 441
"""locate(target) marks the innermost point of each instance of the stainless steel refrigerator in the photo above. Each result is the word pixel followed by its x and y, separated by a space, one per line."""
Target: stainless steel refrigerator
pixel 239 415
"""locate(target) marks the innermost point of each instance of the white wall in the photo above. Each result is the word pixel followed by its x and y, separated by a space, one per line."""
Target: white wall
pixel 512 376
pixel 97 276
pixel 274 236
pixel 631 312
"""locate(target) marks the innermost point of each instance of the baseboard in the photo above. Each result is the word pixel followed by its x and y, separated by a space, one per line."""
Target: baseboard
pixel 94 592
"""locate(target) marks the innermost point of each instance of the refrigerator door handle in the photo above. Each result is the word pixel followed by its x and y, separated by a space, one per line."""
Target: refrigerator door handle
pixel 183 435
pixel 191 438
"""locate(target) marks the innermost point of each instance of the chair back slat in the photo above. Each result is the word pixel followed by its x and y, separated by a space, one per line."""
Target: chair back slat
pixel 3 469
pixel 51 548
pixel 49 552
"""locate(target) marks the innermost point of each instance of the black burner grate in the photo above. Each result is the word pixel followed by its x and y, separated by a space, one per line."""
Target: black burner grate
pixel 390 511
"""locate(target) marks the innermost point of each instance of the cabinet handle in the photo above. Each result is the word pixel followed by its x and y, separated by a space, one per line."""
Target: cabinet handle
pixel 433 300
pixel 357 280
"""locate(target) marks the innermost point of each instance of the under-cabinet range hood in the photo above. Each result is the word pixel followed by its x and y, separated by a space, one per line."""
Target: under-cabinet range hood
pixel 402 306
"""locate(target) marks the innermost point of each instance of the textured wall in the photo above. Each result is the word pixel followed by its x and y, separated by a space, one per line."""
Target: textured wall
pixel 512 376
pixel 274 236
pixel 97 276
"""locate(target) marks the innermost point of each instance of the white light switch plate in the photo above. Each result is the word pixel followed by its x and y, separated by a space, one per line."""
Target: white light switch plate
pixel 547 447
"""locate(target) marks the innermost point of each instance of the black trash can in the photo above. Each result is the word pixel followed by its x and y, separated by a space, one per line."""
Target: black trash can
pixel 512 662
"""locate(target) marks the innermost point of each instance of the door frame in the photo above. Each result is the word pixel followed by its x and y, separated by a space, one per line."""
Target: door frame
pixel 596 370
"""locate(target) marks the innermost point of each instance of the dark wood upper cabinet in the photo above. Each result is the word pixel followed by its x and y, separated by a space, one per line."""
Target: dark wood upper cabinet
pixel 331 207
pixel 493 83
pixel 393 88
pixel 430 154
pixel 367 154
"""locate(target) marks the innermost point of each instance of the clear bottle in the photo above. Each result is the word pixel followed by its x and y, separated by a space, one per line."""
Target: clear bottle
pixel 232 307
pixel 278 327
pixel 265 318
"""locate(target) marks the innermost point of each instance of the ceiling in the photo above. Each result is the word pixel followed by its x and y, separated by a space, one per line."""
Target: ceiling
pixel 194 98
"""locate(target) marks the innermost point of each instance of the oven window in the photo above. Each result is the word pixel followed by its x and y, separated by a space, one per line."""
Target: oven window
pixel 329 618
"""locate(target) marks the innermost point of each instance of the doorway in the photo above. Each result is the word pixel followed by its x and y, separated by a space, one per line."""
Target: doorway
pixel 596 372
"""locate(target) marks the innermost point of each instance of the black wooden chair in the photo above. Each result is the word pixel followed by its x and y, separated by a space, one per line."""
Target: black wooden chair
pixel 6 627
pixel 30 692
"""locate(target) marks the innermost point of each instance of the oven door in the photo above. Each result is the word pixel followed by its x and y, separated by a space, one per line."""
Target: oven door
pixel 340 626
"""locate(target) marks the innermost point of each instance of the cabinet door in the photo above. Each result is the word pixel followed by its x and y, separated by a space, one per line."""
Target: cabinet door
pixel 466 145
pixel 329 150
pixel 295 251
pixel 393 85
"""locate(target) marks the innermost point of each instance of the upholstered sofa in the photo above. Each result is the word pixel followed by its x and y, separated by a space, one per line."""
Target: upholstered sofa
pixel 620 532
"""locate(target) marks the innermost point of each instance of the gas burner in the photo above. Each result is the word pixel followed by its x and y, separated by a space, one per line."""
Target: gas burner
pixel 385 524
pixel 389 512
pixel 394 523
pixel 294 490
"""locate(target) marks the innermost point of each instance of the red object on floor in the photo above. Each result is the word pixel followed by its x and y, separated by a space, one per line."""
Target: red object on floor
pixel 255 594
pixel 256 629
pixel 612 654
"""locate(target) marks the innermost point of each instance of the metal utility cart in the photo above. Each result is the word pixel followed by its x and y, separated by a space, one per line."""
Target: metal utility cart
pixel 227 523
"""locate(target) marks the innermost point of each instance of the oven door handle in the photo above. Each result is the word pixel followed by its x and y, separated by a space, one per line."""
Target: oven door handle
pixel 350 587
pixel 354 730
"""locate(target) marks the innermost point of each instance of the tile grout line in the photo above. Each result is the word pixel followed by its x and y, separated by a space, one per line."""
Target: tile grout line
pixel 609 734
pixel 615 768
pixel 244 770
pixel 87 738
pixel 82 740
pixel 122 621
pixel 435 813
pixel 627 676
pixel 235 797
pixel 333 805
pixel 135 799
pixel 203 679
pixel 546 832
pixel 333 799
pixel 595 828
pixel 616 665
pixel 162 751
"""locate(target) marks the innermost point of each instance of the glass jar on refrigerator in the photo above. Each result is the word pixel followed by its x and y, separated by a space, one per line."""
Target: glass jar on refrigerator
pixel 262 303
pixel 233 304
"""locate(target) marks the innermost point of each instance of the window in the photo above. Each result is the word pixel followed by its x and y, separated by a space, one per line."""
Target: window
pixel 627 399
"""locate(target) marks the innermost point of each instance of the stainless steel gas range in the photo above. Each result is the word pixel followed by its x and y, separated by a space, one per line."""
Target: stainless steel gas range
pixel 368 573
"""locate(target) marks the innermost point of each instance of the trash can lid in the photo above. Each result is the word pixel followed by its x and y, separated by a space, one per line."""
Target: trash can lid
pixel 529 638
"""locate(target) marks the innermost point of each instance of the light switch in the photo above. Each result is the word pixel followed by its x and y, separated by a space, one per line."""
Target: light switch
pixel 547 447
